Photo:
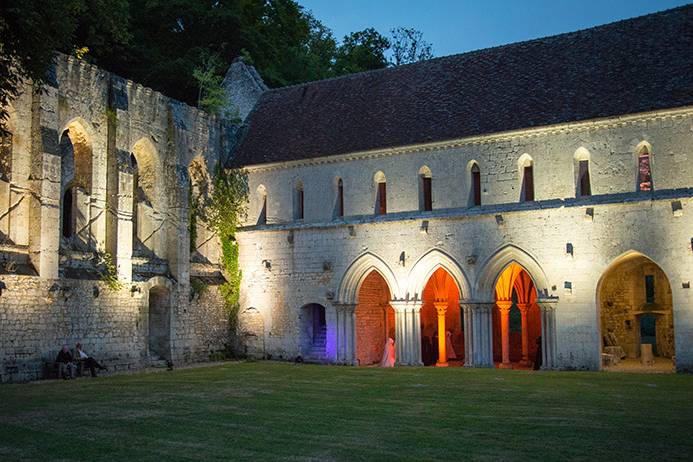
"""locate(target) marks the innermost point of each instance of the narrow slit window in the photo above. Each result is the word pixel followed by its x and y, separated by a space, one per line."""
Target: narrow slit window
pixel 299 203
pixel 427 194
pixel 476 185
pixel 382 198
pixel 262 218
pixel 528 183
pixel 340 198
pixel 644 171
pixel 584 178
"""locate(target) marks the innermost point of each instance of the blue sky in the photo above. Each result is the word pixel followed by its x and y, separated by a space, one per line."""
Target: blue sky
pixel 464 25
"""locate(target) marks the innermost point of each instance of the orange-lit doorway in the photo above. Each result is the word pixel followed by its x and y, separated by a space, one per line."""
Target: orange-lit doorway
pixel 442 338
pixel 516 321
pixel 374 319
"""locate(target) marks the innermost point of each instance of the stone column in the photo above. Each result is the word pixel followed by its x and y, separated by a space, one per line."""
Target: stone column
pixel 468 323
pixel 351 334
pixel 345 336
pixel 441 309
pixel 416 334
pixel 548 333
pixel 482 335
pixel 407 332
pixel 504 308
pixel 524 310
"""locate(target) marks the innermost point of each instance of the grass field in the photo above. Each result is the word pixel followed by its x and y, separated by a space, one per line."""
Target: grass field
pixel 269 411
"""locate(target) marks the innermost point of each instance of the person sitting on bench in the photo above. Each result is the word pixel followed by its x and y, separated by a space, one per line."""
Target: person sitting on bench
pixel 88 360
pixel 66 366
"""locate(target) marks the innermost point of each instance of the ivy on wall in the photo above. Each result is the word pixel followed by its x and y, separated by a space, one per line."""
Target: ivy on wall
pixel 222 208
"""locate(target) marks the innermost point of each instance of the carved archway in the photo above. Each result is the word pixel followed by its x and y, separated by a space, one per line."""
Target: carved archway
pixel 358 270
pixel 424 268
pixel 485 286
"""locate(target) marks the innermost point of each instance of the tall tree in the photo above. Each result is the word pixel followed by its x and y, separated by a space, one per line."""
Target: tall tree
pixel 408 46
pixel 361 51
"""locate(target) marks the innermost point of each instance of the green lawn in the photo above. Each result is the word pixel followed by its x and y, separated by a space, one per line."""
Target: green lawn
pixel 264 411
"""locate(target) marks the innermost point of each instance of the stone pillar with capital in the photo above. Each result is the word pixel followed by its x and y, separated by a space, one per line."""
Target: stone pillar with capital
pixel 441 308
pixel 548 333
pixel 524 311
pixel 407 332
pixel 504 308
pixel 345 335
pixel 468 323
pixel 482 334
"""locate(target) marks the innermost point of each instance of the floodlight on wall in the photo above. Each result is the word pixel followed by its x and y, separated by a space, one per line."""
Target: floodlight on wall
pixel 290 237
pixel 267 264
pixel 686 284
pixel 424 227
pixel 676 209
pixel 569 249
pixel 589 214
pixel 327 265
pixel 135 290
pixel 499 220
pixel 403 258
pixel 471 259
pixel 568 287
pixel 352 231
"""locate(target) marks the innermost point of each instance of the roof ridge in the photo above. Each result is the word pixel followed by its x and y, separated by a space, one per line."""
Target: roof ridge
pixel 477 51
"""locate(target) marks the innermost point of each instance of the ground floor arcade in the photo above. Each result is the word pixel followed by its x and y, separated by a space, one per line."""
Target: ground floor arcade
pixel 441 325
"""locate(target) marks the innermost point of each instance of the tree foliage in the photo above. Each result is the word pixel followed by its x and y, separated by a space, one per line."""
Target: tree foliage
pixel 408 46
pixel 361 51
pixel 183 47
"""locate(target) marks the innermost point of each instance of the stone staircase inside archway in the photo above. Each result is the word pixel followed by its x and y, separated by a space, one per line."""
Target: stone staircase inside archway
pixel 317 348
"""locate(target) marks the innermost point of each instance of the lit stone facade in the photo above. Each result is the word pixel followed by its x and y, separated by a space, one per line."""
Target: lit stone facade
pixel 97 164
pixel 323 258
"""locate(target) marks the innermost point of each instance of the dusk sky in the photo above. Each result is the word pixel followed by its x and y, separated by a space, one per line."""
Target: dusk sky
pixel 456 26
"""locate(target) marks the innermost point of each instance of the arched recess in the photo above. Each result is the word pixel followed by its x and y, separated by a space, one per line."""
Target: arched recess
pixel 633 297
pixel 485 286
pixel 313 331
pixel 358 270
pixel 424 268
pixel 77 178
pixel 149 236
pixel 159 318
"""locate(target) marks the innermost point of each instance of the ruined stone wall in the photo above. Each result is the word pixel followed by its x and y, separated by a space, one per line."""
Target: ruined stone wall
pixel 126 152
pixel 288 264
pixel 38 316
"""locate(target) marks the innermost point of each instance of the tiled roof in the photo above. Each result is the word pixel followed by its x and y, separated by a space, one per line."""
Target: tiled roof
pixel 630 66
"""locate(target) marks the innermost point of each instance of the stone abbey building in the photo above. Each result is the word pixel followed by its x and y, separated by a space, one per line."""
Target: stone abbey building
pixel 521 206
